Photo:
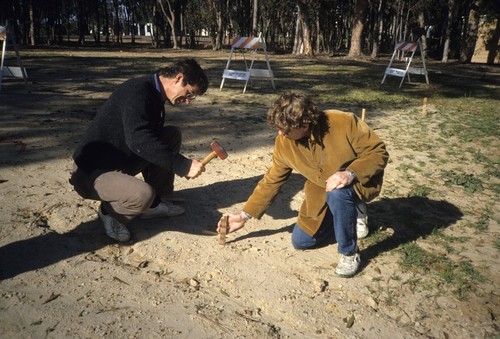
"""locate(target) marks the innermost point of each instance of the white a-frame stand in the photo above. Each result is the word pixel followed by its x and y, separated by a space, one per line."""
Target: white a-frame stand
pixel 7 35
pixel 244 44
pixel 404 48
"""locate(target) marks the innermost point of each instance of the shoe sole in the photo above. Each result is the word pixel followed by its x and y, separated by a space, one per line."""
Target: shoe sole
pixel 145 217
pixel 362 236
pixel 345 275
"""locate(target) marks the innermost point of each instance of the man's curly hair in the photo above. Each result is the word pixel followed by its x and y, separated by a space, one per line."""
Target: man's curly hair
pixel 293 110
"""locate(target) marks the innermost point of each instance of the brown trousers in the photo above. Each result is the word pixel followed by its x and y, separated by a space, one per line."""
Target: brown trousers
pixel 122 194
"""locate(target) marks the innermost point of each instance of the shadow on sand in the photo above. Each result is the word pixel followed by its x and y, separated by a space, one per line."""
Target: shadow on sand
pixel 411 218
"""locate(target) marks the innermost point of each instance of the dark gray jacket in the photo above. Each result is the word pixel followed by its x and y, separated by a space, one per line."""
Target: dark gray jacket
pixel 125 133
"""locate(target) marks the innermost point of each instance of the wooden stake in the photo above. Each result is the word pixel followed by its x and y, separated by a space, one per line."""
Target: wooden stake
pixel 363 113
pixel 424 107
pixel 224 226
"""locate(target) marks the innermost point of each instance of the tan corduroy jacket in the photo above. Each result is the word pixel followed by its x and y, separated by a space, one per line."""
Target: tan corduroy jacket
pixel 349 144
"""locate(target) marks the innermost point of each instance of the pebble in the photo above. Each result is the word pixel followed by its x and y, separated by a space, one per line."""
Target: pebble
pixel 372 302
pixel 446 303
pixel 419 328
pixel 194 283
pixel 320 285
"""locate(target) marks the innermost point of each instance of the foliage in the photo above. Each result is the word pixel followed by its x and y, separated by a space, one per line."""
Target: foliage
pixel 419 191
pixel 468 181
pixel 461 276
pixel 466 124
pixel 329 22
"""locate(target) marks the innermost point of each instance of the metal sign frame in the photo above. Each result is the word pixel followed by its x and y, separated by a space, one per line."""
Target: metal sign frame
pixel 403 48
pixel 244 44
pixel 6 34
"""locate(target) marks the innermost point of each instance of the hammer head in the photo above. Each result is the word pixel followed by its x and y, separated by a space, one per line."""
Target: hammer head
pixel 219 150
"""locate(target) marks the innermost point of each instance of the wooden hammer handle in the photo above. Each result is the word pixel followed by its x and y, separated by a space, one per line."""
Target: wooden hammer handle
pixel 209 158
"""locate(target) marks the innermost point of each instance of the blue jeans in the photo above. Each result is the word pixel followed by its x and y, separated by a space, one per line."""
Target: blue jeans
pixel 339 223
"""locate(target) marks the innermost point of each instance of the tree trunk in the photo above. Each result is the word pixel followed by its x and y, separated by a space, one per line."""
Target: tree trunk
pixel 405 26
pixel 180 13
pixel 344 34
pixel 106 22
pixel 397 24
pixel 98 23
pixel 319 36
pixel 304 29
pixel 379 28
pixel 132 21
pixel 170 16
pixel 217 31
pixel 357 29
pixel 117 24
pixel 298 44
pixel 446 47
pixel 492 45
pixel 155 34
pixel 255 18
pixel 470 35
pixel 423 37
pixel 283 36
pixel 81 23
pixel 32 25
pixel 220 32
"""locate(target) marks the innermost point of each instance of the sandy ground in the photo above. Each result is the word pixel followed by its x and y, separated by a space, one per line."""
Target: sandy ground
pixel 62 277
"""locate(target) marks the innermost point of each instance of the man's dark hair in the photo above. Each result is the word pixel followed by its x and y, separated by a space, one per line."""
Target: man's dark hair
pixel 193 73
pixel 293 110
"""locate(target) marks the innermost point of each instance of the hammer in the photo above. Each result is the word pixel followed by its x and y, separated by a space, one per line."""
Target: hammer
pixel 217 150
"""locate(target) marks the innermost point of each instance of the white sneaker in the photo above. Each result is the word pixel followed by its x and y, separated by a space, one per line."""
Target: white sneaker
pixel 164 209
pixel 362 220
pixel 348 265
pixel 113 228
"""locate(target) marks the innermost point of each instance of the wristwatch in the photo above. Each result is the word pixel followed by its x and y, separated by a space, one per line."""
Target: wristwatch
pixel 352 174
pixel 247 216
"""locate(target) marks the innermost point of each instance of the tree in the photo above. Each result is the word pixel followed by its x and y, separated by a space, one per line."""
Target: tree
pixel 378 29
pixel 303 44
pixel 82 23
pixel 449 24
pixel 218 10
pixel 331 26
pixel 470 36
pixel 423 37
pixel 170 17
pixel 492 44
pixel 117 26
pixel 357 29
pixel 255 18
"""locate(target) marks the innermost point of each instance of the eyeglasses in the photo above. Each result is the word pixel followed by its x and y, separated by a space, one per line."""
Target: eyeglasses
pixel 190 96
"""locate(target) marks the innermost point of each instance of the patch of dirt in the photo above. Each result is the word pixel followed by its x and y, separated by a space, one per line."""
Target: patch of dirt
pixel 62 277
